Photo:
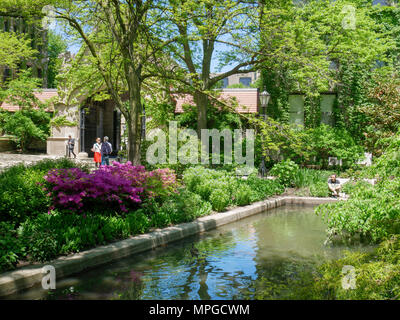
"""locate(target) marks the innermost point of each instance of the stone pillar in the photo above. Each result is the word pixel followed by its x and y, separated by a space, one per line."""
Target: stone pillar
pixel 56 143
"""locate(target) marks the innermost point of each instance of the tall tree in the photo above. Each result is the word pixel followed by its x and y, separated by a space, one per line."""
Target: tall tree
pixel 120 44
pixel 210 31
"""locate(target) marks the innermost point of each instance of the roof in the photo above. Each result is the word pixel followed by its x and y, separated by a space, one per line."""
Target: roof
pixel 247 99
pixel 43 96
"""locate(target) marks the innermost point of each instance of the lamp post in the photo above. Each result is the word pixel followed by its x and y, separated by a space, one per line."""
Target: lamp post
pixel 264 100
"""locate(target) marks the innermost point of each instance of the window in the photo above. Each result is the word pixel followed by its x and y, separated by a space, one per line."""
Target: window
pixel 225 83
pixel 245 81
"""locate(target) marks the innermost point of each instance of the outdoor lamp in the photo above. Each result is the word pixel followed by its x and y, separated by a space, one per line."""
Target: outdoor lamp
pixel 264 99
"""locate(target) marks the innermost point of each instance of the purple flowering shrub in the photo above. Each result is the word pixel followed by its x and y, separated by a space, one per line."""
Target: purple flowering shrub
pixel 119 187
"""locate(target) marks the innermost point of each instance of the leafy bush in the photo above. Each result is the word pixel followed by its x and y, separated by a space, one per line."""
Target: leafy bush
pixel 138 222
pixel 47 236
pixel 21 193
pixel 11 248
pixel 372 212
pixel 27 125
pixel 219 199
pixel 263 188
pixel 285 171
pixel 185 206
pixel 243 195
pixel 325 141
pixel 319 189
pixel 308 177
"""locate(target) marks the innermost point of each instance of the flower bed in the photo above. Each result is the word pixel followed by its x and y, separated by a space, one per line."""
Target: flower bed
pixel 80 210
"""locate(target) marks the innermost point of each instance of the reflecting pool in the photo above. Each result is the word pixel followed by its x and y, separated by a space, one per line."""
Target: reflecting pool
pixel 220 264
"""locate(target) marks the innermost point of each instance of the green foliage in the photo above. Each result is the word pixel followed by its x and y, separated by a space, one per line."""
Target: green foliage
pixel 138 222
pixel 221 188
pixel 388 165
pixel 372 212
pixel 319 189
pixel 11 248
pixel 61 121
pixel 325 142
pixel 263 188
pixel 13 49
pixel 243 194
pixel 21 196
pixel 219 199
pixel 217 118
pixel 26 126
pixel 286 171
pixel 185 206
pixel 31 121
pixel 314 51
pixel 308 177
pixel 56 45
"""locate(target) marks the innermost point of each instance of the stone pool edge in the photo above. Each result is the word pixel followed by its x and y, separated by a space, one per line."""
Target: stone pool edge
pixel 28 276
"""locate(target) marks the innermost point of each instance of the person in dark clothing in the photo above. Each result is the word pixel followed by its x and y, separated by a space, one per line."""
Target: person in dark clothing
pixel 71 145
pixel 106 149
pixel 334 186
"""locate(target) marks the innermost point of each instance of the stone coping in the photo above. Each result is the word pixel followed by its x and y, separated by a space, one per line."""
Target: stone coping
pixel 28 276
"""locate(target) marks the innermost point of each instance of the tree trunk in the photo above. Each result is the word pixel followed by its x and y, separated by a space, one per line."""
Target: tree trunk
pixel 134 123
pixel 134 141
pixel 201 101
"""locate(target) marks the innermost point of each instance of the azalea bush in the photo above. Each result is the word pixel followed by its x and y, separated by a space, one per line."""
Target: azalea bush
pixel 118 187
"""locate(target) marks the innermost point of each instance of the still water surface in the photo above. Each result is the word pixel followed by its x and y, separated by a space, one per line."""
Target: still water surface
pixel 220 264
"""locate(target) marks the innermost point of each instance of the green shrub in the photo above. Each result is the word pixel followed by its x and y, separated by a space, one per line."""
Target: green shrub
pixel 219 199
pixel 372 212
pixel 138 222
pixel 308 177
pixel 186 206
pixel 286 171
pixel 319 189
pixel 243 195
pixel 356 187
pixel 21 194
pixel 160 219
pixel 263 188
pixel 325 141
pixel 11 248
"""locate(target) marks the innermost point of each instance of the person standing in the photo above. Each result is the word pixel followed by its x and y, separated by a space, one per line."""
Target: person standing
pixel 106 149
pixel 71 145
pixel 97 152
